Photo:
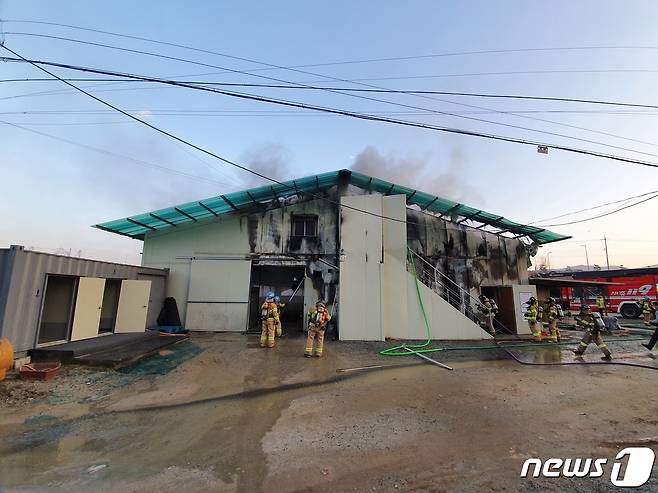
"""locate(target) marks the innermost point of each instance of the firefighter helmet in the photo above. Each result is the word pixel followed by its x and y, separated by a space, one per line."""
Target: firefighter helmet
pixel 483 298
pixel 269 295
pixel 531 301
pixel 584 307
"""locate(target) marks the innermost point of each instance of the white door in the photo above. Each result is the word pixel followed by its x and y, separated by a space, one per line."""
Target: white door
pixel 133 306
pixel 88 305
pixel 218 299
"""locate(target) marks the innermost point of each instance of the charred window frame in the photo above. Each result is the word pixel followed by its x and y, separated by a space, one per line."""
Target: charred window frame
pixel 304 226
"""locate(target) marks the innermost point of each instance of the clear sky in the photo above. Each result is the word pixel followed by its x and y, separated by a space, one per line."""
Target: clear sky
pixel 53 191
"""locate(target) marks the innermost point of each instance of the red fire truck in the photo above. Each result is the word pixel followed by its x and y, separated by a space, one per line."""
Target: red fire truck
pixel 631 285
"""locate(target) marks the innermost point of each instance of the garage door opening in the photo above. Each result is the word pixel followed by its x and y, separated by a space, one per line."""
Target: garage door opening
pixel 57 310
pixel 284 281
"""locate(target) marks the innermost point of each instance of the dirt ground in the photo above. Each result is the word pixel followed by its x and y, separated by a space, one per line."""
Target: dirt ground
pixel 218 413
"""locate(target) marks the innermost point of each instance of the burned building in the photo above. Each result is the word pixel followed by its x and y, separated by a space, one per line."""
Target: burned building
pixel 345 237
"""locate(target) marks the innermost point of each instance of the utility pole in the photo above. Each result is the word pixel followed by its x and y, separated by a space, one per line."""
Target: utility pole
pixel 586 256
pixel 607 260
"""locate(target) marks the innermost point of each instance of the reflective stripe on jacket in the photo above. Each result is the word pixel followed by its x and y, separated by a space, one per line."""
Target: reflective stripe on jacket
pixel 531 314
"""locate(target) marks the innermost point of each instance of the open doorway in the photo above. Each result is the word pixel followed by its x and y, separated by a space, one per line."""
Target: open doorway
pixel 284 281
pixel 57 309
pixel 504 298
pixel 109 306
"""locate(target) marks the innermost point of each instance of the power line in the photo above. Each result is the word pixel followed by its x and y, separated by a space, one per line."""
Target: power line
pixel 168 57
pixel 595 207
pixel 346 62
pixel 194 146
pixel 354 89
pixel 296 112
pixel 213 154
pixel 602 215
pixel 361 116
pixel 197 147
pixel 115 154
pixel 206 114
pixel 241 167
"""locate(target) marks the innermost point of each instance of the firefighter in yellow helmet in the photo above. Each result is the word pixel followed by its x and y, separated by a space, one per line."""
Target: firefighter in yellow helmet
pixel 531 316
pixel 280 306
pixel 486 314
pixel 318 317
pixel 645 306
pixel 269 314
pixel 552 315
pixel 592 333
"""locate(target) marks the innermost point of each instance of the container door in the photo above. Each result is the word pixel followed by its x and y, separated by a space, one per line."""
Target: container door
pixel 133 306
pixel 88 305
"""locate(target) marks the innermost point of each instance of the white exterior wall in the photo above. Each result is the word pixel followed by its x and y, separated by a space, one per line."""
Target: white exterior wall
pixel 394 277
pixel 360 283
pixel 378 295
pixel 445 321
pixel 225 235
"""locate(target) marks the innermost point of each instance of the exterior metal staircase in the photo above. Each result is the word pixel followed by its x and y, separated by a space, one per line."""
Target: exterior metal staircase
pixel 448 289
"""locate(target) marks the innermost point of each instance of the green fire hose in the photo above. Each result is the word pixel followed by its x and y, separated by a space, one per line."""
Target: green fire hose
pixel 419 349
pixel 414 349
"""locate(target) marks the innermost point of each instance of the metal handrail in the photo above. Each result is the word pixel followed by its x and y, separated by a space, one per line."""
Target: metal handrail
pixel 437 271
pixel 468 304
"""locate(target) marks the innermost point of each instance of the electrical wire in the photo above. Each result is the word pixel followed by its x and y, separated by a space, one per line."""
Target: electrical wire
pixel 194 146
pixel 115 154
pixel 183 141
pixel 344 62
pixel 168 57
pixel 354 89
pixel 371 117
pixel 511 72
pixel 601 215
pixel 261 113
pixel 594 207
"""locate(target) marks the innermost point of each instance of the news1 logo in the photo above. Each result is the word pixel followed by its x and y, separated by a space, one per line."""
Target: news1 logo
pixel 639 464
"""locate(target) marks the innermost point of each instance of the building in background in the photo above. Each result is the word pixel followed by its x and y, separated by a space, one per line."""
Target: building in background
pixel 347 238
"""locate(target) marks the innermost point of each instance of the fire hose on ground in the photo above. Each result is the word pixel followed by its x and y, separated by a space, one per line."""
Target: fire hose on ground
pixel 421 350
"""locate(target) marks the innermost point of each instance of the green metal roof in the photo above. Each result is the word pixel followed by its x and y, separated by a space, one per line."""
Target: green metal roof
pixel 254 198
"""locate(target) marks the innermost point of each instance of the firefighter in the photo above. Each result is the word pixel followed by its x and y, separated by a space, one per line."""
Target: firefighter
pixel 280 306
pixel 592 333
pixel 600 304
pixel 318 317
pixel 654 337
pixel 486 314
pixel 269 315
pixel 645 306
pixel 552 316
pixel 531 316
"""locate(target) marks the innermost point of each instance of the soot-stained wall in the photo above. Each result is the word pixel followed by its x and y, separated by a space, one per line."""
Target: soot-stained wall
pixel 470 257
